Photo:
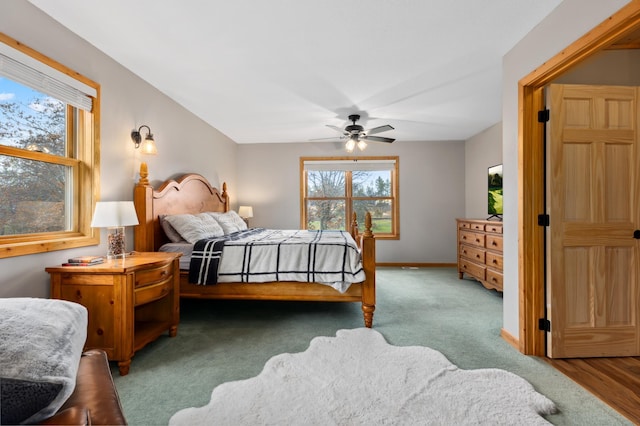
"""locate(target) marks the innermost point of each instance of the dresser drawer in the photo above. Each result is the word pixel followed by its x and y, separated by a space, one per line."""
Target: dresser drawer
pixel 464 225
pixel 472 269
pixel 472 253
pixel 153 275
pixel 494 260
pixel 477 226
pixel 494 242
pixel 472 238
pixel 152 292
pixel 494 278
pixel 494 229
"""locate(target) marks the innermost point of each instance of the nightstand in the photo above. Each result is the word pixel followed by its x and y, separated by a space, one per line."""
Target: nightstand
pixel 131 302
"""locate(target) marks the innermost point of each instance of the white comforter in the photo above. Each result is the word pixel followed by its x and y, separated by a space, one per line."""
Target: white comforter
pixel 266 255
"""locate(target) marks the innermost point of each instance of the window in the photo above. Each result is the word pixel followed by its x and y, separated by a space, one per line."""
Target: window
pixel 334 188
pixel 48 153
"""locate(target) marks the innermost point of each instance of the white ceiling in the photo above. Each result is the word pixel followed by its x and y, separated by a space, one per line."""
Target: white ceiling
pixel 281 70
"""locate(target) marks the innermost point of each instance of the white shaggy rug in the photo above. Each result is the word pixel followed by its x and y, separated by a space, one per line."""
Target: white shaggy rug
pixel 358 378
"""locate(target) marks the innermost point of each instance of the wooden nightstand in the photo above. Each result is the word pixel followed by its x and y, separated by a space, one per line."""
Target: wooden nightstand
pixel 131 302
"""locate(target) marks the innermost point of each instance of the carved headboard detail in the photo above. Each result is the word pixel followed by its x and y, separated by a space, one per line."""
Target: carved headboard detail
pixel 191 193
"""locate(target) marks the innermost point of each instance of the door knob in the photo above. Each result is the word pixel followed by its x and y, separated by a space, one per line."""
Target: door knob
pixel 636 234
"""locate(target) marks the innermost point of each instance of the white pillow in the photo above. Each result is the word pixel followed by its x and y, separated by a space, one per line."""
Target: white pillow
pixel 173 235
pixel 230 221
pixel 195 227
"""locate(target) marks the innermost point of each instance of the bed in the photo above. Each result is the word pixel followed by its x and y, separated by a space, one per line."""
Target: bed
pixel 192 194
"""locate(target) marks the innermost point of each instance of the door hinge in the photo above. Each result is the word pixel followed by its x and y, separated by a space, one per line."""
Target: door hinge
pixel 543 220
pixel 544 324
pixel 543 116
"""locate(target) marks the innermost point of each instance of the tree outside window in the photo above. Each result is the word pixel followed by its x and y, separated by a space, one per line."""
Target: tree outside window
pixel 335 189
pixel 49 153
pixel 34 181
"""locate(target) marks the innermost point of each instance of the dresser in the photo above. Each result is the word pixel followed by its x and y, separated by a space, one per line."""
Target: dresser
pixel 480 251
pixel 130 302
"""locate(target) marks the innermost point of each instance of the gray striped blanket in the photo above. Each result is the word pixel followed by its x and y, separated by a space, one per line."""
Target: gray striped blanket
pixel 266 255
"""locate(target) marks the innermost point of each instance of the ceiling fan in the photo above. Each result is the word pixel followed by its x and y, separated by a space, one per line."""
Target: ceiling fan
pixel 357 136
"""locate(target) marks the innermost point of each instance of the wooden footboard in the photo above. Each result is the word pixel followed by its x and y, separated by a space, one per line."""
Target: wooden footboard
pixel 193 194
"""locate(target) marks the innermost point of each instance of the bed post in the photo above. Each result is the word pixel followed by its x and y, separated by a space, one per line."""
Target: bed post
pixel 142 199
pixel 368 247
pixel 225 196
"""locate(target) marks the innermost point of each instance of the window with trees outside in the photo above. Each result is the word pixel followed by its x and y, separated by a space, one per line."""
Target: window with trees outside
pixel 332 189
pixel 49 176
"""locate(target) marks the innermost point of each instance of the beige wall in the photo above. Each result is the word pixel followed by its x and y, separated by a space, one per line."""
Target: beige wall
pixel 568 22
pixel 431 192
pixel 185 143
pixel 481 151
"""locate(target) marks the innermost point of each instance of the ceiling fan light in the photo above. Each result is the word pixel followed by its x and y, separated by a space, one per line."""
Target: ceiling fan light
pixel 362 145
pixel 350 145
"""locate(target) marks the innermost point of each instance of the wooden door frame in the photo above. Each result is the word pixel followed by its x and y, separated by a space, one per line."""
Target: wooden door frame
pixel 531 250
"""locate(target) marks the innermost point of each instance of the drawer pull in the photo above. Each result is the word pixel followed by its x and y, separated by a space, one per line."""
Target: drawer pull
pixel 477 240
pixel 494 261
pixel 493 243
pixel 464 237
pixel 477 256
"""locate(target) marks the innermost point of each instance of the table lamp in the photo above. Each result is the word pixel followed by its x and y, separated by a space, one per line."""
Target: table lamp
pixel 245 212
pixel 114 215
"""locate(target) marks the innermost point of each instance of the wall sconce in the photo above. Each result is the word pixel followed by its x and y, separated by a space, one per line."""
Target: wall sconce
pixel 114 215
pixel 148 148
pixel 245 212
pixel 149 145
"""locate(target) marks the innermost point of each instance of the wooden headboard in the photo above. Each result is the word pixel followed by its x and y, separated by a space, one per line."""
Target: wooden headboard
pixel 191 193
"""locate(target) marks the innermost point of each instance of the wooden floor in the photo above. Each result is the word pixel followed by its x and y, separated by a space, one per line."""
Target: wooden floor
pixel 616 381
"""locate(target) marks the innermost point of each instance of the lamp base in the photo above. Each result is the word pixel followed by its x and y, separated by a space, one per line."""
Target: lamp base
pixel 116 243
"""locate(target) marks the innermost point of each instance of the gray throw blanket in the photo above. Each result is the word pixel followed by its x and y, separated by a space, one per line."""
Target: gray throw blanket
pixel 41 341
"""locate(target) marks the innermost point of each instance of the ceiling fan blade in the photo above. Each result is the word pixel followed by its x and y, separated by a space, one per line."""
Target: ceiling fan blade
pixel 337 129
pixel 334 138
pixel 379 129
pixel 379 139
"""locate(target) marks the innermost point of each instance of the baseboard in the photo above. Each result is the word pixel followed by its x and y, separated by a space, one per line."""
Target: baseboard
pixel 510 339
pixel 417 265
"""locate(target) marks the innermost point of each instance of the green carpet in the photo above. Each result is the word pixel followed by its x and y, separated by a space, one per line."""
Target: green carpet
pixel 220 341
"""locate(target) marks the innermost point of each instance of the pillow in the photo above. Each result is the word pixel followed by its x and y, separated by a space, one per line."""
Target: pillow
pixel 230 221
pixel 41 342
pixel 169 230
pixel 195 227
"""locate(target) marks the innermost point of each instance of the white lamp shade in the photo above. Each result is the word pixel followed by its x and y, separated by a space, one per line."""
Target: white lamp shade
pixel 114 213
pixel 245 212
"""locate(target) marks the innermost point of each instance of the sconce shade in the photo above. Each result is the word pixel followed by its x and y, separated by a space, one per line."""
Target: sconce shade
pixel 245 212
pixel 113 214
pixel 149 144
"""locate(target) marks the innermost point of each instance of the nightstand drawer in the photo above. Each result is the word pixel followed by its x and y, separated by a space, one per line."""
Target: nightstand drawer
pixel 472 238
pixel 76 278
pixel 151 276
pixel 472 253
pixel 472 269
pixel 153 292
